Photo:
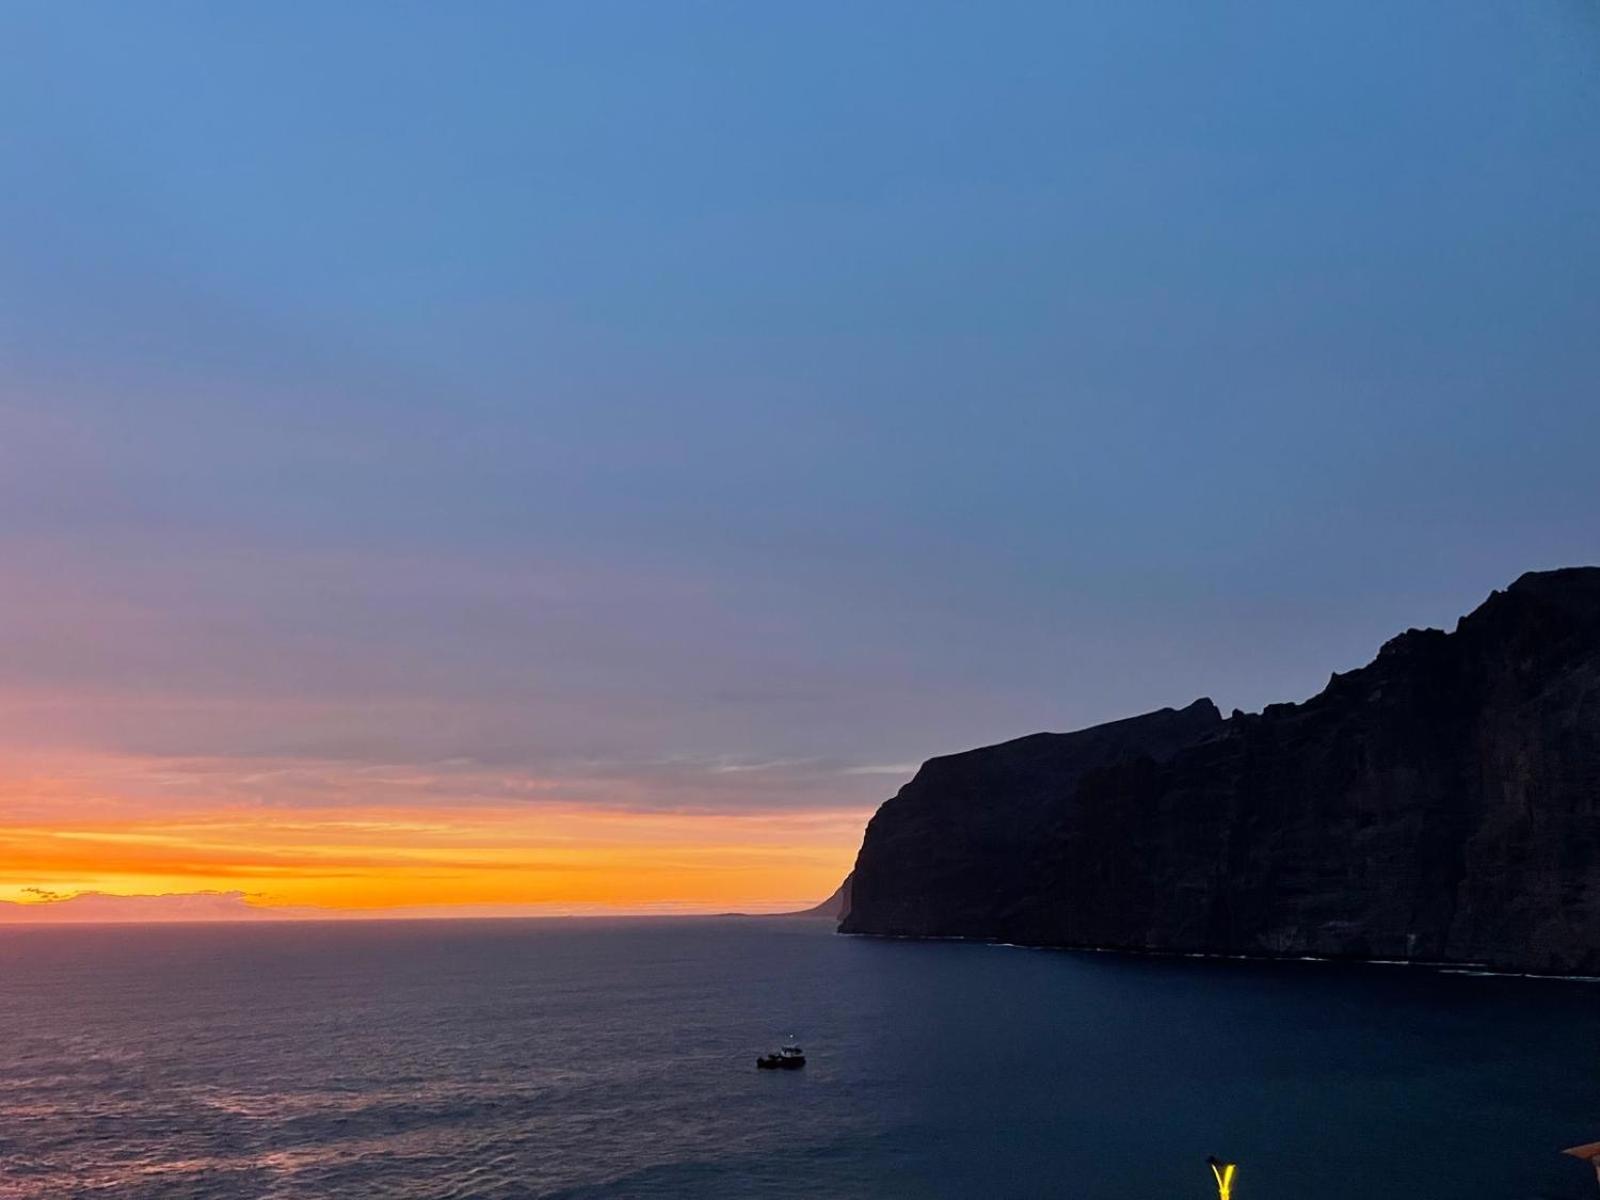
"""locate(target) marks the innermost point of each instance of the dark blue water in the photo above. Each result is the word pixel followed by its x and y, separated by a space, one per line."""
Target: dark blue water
pixel 590 1060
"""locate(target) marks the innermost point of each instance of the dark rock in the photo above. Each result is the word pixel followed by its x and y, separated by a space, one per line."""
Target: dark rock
pixel 945 856
pixel 1440 804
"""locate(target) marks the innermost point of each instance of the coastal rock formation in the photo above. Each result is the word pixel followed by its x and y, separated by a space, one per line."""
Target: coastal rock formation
pixel 1440 804
pixel 835 908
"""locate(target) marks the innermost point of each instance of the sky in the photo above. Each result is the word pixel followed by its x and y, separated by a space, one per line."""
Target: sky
pixel 581 457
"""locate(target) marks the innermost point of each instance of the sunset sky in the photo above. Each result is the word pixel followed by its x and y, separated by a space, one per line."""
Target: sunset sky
pixel 581 457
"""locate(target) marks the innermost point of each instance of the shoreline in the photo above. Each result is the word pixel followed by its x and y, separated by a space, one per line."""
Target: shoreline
pixel 1434 966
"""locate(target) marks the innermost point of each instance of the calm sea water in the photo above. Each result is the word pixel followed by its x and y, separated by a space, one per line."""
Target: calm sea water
pixel 593 1060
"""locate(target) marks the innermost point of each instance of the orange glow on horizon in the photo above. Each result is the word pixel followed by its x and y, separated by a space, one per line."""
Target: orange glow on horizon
pixel 374 857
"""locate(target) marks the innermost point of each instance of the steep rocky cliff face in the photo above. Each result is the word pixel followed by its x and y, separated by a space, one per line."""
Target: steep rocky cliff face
pixel 1440 804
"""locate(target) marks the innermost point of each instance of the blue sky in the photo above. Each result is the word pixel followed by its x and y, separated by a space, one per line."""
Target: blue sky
pixel 738 398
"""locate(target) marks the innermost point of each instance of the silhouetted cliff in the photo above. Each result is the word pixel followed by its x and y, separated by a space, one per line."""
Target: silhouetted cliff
pixel 1440 804
pixel 835 908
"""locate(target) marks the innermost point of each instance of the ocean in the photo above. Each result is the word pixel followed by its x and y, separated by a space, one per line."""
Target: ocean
pixel 592 1059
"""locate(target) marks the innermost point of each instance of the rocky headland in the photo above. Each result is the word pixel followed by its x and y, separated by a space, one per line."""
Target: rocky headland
pixel 1441 804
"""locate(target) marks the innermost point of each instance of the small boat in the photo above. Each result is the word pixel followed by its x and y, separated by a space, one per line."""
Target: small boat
pixel 790 1058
